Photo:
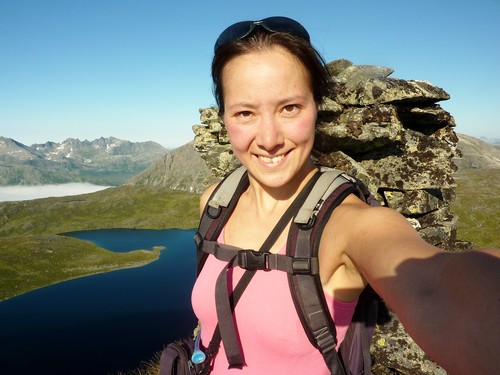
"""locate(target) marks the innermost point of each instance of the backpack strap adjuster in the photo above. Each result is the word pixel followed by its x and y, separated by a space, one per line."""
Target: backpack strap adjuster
pixel 326 341
pixel 305 266
pixel 198 239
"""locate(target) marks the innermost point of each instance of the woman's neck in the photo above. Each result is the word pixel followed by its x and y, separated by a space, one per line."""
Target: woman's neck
pixel 271 199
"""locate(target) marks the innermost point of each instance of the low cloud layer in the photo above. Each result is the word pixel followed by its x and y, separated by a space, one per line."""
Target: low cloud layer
pixel 22 192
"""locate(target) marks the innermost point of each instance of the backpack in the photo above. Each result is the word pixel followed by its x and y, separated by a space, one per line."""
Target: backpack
pixel 310 212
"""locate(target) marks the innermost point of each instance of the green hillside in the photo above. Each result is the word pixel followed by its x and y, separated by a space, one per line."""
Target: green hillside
pixel 477 206
pixel 122 207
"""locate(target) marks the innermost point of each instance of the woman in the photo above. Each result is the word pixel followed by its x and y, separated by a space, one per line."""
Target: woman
pixel 268 82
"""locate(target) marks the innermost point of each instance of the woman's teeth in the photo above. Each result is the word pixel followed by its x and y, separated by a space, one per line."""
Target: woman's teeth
pixel 274 160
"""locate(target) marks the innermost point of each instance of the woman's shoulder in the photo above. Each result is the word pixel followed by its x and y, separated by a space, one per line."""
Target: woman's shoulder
pixel 375 238
pixel 205 196
pixel 354 213
pixel 359 228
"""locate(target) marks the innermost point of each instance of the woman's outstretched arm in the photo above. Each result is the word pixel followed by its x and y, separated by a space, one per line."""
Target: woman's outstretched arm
pixel 448 302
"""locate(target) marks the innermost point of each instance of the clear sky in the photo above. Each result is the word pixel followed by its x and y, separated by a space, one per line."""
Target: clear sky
pixel 140 69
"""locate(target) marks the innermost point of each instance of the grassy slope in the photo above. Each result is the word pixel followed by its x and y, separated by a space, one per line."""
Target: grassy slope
pixel 477 206
pixel 123 207
pixel 33 256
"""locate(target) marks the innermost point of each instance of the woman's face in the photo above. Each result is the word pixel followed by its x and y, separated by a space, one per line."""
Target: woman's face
pixel 270 115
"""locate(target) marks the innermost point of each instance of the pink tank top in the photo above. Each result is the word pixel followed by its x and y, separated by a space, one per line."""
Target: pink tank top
pixel 273 340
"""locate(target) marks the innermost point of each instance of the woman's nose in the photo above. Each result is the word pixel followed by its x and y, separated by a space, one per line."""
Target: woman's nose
pixel 269 135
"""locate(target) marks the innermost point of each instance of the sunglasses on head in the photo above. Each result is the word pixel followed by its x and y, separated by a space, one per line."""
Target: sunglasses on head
pixel 242 29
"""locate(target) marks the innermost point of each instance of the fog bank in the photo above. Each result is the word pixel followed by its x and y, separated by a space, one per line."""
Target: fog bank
pixel 24 192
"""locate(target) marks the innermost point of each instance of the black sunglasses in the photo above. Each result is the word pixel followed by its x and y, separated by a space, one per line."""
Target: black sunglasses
pixel 242 29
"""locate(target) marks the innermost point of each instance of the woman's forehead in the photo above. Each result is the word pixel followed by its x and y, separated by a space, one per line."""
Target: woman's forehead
pixel 264 68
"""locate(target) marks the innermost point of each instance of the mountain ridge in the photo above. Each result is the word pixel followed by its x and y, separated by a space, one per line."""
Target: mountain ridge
pixel 477 154
pixel 181 169
pixel 103 161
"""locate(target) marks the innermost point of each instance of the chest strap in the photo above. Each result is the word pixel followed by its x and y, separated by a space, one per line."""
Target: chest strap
pixel 252 260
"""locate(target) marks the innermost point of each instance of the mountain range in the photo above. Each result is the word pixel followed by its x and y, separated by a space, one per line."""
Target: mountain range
pixel 477 154
pixel 111 161
pixel 104 161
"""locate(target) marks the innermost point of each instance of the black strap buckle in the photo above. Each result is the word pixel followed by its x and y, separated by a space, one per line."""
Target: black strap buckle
pixel 252 260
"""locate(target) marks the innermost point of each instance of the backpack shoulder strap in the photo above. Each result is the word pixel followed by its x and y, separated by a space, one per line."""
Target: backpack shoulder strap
pixel 331 189
pixel 217 211
pixel 223 194
pixel 223 201
pixel 329 181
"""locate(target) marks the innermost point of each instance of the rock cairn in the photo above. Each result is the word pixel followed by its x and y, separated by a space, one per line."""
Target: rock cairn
pixel 392 135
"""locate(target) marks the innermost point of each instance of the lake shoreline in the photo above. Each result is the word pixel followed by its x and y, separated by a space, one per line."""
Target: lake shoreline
pixel 136 265
pixel 47 260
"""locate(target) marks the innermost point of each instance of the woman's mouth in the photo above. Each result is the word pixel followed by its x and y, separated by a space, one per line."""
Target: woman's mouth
pixel 271 160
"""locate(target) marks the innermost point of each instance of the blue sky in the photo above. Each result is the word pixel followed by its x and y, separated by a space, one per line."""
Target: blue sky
pixel 140 70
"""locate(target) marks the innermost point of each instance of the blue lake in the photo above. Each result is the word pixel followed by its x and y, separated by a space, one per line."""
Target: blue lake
pixel 103 323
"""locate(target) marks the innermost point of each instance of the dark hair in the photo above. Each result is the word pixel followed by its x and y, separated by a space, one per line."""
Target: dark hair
pixel 299 47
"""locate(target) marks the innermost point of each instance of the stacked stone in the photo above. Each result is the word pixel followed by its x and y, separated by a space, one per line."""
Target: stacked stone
pixel 212 141
pixel 392 135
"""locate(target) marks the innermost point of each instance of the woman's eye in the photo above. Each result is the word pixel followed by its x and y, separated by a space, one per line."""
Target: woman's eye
pixel 244 114
pixel 291 108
